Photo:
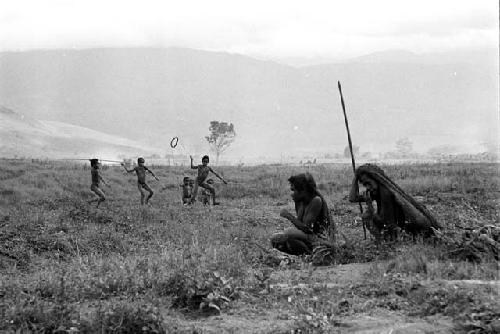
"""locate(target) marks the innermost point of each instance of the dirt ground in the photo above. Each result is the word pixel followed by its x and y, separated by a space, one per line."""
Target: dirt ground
pixel 265 319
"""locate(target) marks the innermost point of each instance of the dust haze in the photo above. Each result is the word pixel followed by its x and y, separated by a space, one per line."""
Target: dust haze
pixel 416 88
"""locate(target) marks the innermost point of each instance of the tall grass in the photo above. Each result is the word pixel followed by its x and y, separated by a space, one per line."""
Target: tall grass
pixel 65 263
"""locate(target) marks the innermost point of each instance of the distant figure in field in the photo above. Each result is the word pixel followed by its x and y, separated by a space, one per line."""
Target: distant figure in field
pixel 206 194
pixel 313 219
pixel 200 181
pixel 187 188
pixel 395 208
pixel 141 170
pixel 96 179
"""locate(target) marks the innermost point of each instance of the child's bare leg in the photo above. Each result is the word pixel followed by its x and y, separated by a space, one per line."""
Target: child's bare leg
pixel 212 191
pixel 101 198
pixel 195 191
pixel 143 195
pixel 93 200
pixel 145 186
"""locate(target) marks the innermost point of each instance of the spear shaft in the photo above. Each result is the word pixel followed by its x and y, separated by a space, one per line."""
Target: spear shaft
pixel 350 146
pixel 77 159
pixel 111 161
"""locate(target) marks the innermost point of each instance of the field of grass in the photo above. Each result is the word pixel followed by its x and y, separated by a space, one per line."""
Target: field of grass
pixel 67 267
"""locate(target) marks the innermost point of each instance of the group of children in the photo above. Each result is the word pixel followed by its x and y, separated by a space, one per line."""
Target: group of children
pixel 189 186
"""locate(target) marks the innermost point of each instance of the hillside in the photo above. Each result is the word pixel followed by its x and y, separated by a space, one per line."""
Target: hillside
pixel 154 94
pixel 26 136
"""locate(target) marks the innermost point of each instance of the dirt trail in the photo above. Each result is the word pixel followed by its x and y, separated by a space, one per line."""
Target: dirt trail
pixel 341 274
pixel 387 324
pixel 254 315
pixel 395 324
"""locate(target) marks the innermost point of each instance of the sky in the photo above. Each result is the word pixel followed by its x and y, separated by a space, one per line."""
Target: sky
pixel 277 29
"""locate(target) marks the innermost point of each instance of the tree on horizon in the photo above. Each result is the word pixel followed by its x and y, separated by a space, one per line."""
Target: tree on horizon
pixel 221 136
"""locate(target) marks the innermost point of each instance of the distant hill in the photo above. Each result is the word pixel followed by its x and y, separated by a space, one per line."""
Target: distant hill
pixel 24 136
pixel 152 95
pixel 486 57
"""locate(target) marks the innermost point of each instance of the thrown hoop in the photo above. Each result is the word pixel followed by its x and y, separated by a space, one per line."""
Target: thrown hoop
pixel 173 142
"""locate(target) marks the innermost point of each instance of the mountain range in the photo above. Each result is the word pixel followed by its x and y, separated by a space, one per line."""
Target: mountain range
pixel 142 97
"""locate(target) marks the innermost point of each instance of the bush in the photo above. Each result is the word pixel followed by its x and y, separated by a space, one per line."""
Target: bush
pixel 206 291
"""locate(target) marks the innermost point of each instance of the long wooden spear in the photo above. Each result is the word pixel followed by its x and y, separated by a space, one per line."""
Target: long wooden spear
pixel 350 147
pixel 83 159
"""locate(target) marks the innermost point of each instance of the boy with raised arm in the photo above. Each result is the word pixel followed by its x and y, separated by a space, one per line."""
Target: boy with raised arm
pixel 96 178
pixel 141 170
pixel 203 171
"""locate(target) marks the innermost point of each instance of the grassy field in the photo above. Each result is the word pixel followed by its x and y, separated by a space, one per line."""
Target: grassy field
pixel 67 267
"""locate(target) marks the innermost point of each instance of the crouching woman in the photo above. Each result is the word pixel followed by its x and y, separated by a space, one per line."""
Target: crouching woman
pixel 312 223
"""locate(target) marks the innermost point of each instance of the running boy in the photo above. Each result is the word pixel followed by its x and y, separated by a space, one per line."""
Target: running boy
pixel 203 171
pixel 96 178
pixel 141 170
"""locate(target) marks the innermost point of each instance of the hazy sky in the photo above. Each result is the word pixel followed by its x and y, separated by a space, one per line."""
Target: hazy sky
pixel 264 28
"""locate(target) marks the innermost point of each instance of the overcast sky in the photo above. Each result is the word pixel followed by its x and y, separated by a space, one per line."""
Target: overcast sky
pixel 263 28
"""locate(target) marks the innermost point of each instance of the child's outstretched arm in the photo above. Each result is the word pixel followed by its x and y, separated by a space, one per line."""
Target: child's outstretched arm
pixel 104 182
pixel 128 171
pixel 192 166
pixel 220 177
pixel 151 172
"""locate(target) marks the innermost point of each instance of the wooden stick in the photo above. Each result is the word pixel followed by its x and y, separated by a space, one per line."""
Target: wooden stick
pixel 83 159
pixel 111 161
pixel 350 147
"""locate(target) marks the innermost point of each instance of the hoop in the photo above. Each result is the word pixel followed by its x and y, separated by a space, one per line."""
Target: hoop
pixel 173 142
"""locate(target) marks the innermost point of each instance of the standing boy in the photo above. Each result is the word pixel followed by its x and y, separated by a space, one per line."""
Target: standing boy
pixel 141 170
pixel 203 171
pixel 187 187
pixel 96 178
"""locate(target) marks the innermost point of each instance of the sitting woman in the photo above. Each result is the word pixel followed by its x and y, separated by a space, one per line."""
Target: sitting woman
pixel 313 221
pixel 395 208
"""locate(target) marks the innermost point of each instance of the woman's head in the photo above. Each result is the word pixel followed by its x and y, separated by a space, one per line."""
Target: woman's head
pixel 369 175
pixel 302 185
pixel 368 182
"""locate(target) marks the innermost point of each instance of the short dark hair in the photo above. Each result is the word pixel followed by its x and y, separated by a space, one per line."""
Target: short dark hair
pixel 303 181
pixel 140 160
pixel 186 178
pixel 205 157
pixel 93 162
